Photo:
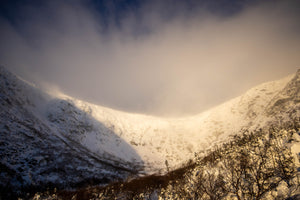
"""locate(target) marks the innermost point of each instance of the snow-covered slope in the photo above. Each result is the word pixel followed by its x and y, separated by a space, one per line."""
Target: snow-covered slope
pixel 36 153
pixel 46 137
pixel 176 140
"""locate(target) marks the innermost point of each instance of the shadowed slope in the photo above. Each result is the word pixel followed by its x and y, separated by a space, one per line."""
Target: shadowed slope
pixel 40 143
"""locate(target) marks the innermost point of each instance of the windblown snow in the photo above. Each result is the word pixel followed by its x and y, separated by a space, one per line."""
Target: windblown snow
pixel 56 130
pixel 176 140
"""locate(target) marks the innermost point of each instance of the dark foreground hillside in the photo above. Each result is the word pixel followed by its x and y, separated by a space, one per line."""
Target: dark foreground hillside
pixel 255 165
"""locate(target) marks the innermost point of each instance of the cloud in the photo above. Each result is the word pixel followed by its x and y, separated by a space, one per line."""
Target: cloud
pixel 150 61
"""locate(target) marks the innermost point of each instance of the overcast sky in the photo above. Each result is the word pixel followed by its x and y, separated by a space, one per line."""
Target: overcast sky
pixel 157 57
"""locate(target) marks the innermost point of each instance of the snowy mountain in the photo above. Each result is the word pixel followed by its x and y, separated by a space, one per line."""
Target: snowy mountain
pixel 55 139
pixel 36 148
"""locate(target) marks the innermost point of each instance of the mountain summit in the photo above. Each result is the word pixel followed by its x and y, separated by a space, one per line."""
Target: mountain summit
pixel 49 139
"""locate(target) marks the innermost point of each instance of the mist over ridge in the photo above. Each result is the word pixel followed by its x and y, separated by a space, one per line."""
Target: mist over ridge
pixel 147 62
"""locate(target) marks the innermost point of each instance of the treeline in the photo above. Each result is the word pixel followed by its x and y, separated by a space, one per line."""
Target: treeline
pixel 256 165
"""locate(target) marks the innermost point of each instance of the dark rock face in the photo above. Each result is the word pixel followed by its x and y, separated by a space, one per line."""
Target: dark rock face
pixel 287 103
